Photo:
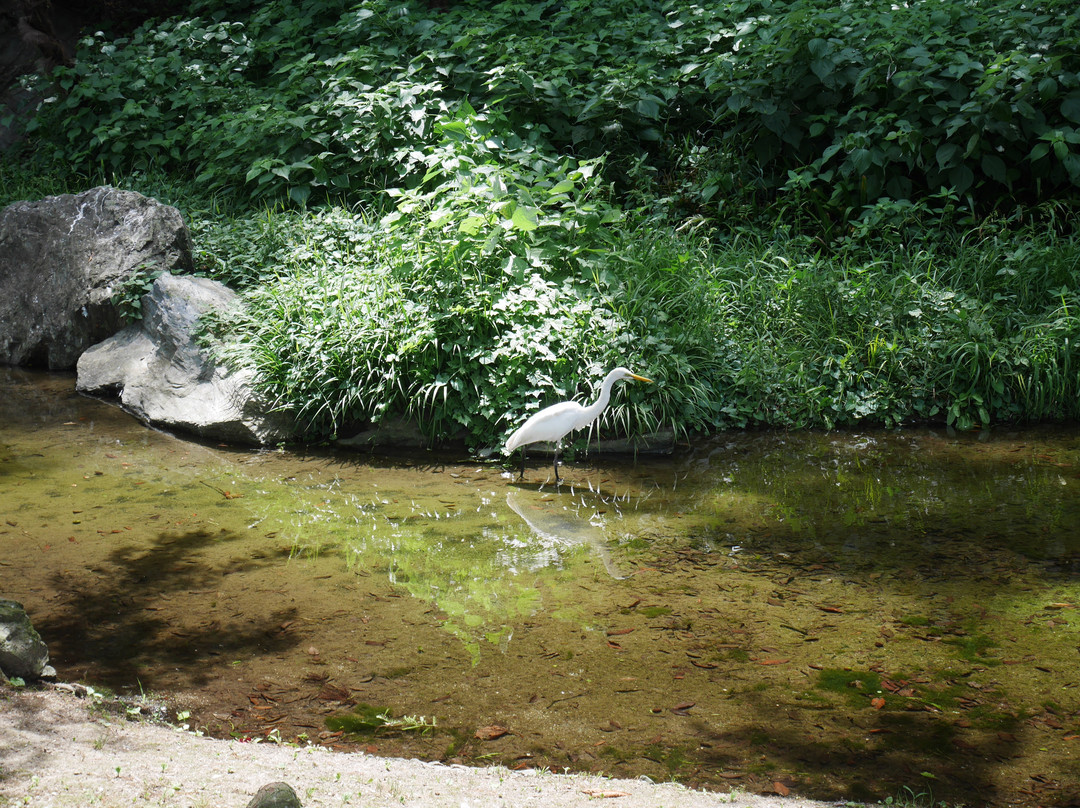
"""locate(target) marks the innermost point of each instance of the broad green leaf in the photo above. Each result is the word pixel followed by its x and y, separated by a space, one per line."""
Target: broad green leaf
pixel 862 160
pixel 300 194
pixel 946 154
pixel 821 67
pixel 471 225
pixel 562 187
pixel 648 108
pixel 1072 166
pixel 1070 107
pixel 994 167
pixel 524 218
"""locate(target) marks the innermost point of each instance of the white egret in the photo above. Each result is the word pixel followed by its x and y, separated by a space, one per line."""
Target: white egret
pixel 552 423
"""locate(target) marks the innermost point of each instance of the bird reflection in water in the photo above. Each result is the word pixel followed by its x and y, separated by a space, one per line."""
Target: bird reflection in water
pixel 558 525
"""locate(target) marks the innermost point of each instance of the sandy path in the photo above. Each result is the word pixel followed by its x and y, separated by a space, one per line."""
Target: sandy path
pixel 57 749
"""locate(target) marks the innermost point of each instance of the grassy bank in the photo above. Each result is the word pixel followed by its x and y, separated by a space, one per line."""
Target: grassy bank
pixel 441 215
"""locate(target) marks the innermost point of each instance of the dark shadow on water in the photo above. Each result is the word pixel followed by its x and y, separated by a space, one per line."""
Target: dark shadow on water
pixel 115 617
pixel 859 495
pixel 916 754
pixel 899 752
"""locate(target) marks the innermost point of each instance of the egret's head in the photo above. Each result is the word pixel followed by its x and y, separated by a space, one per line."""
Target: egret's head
pixel 624 374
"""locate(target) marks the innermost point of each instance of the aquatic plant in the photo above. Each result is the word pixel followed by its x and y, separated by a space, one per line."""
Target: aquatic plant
pixel 368 720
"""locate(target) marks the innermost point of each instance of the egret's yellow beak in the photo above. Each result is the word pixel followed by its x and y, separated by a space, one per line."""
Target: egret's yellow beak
pixel 641 378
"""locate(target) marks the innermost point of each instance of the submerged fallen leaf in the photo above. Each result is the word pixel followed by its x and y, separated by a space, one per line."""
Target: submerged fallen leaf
pixel 331 692
pixel 490 733
pixel 877 703
pixel 781 789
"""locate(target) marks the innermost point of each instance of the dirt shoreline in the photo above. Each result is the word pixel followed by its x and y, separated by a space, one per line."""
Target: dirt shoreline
pixel 59 749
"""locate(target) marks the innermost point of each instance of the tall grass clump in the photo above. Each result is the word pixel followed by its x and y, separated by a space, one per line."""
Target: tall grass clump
pixel 827 341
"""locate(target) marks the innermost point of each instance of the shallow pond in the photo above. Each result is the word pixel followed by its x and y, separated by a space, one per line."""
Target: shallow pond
pixel 842 615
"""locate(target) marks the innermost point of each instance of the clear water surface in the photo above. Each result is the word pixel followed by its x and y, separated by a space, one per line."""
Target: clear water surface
pixel 851 615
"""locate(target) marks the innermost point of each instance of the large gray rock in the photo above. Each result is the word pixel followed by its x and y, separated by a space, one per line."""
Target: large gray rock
pixel 61 259
pixel 165 378
pixel 22 653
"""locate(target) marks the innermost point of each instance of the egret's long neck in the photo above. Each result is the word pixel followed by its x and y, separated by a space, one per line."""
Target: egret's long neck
pixel 598 406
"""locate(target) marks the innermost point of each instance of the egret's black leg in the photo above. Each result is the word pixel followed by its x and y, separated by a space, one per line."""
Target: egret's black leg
pixel 556 463
pixel 522 476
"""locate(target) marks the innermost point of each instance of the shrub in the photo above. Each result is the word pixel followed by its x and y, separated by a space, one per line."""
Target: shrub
pixel 849 103
pixel 785 212
pixel 494 287
pixel 904 336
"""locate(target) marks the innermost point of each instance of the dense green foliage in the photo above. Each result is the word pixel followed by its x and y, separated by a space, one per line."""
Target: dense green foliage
pixel 788 213
pixel 835 105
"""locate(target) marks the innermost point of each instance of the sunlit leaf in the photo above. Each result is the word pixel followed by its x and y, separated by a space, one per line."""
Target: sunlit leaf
pixel 525 218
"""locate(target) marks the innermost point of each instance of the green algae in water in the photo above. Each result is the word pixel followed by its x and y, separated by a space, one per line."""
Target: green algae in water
pixel 915 620
pixel 856 685
pixel 672 758
pixel 363 720
pixel 367 720
pixel 974 649
pixel 654 611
